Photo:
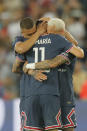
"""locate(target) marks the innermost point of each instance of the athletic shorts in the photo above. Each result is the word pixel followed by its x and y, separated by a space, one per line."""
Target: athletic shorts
pixel 68 117
pixel 22 103
pixel 41 112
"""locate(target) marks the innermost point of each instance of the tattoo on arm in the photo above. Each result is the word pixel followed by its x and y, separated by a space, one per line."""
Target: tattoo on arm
pixel 17 66
pixel 58 60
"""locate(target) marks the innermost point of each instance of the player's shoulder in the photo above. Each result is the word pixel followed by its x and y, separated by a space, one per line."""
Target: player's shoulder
pixel 58 37
pixel 19 38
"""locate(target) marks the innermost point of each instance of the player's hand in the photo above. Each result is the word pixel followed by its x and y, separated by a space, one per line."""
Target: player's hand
pixel 45 19
pixel 38 75
pixel 24 67
pixel 42 28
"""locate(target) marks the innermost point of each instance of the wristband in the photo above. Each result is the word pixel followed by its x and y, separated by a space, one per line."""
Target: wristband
pixel 30 66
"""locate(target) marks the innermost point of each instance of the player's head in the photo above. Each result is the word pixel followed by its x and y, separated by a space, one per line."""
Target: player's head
pixel 27 25
pixel 56 25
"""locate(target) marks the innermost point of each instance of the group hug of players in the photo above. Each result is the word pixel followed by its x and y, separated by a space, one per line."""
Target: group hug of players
pixel 45 57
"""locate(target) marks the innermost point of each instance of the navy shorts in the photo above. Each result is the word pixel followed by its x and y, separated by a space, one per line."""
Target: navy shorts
pixel 41 112
pixel 67 103
pixel 22 102
pixel 67 100
pixel 68 117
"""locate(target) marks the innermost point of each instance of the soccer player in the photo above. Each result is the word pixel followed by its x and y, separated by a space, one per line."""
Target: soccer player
pixel 48 41
pixel 65 73
pixel 67 102
pixel 36 74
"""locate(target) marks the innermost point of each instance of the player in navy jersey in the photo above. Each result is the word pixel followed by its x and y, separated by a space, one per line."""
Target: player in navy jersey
pixel 67 103
pixel 30 28
pixel 18 63
pixel 41 42
pixel 66 89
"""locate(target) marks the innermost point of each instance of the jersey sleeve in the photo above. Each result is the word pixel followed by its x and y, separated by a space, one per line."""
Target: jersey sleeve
pixel 17 39
pixel 21 57
pixel 68 56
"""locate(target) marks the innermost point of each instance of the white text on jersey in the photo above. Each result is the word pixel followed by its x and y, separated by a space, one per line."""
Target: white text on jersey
pixel 44 41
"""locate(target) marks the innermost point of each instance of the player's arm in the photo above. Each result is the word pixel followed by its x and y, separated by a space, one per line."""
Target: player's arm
pixel 52 63
pixel 37 74
pixel 68 47
pixel 70 38
pixel 17 66
pixel 77 51
pixel 58 60
pixel 22 47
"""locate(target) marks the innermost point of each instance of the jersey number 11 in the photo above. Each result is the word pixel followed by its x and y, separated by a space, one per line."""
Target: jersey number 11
pixel 42 50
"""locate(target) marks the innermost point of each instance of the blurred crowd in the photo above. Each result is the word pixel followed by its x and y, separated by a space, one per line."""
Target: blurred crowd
pixel 73 12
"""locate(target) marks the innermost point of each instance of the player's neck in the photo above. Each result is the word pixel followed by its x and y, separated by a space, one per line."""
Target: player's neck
pixel 58 33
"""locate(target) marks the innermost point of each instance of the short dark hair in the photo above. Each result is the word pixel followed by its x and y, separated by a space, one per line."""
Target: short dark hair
pixel 27 23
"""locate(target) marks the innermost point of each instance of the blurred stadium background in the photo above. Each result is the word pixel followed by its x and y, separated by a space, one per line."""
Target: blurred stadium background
pixel 74 13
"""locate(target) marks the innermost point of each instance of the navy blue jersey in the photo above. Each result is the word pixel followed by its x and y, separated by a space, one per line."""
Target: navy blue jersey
pixel 19 39
pixel 65 73
pixel 22 58
pixel 46 47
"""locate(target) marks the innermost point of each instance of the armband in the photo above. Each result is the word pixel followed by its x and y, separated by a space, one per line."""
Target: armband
pixel 66 56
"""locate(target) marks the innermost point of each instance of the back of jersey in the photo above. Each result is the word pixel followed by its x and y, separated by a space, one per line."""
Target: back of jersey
pixel 46 47
pixel 65 73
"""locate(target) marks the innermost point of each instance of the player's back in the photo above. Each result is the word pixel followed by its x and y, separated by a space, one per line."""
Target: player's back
pixel 46 47
pixel 65 73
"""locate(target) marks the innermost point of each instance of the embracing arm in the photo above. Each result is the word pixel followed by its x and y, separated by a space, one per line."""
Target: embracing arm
pixel 17 66
pixel 77 51
pixel 22 47
pixel 37 74
pixel 70 38
pixel 58 60
pixel 52 63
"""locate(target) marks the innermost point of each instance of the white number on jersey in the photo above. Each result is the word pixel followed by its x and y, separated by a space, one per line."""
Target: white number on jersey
pixel 42 50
